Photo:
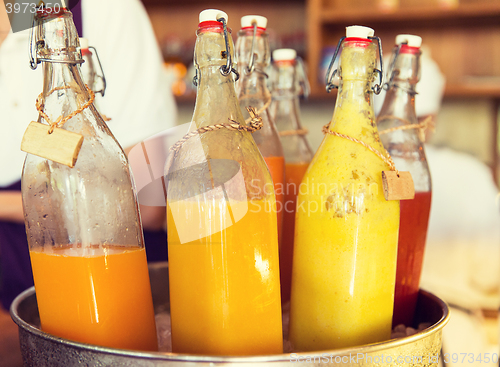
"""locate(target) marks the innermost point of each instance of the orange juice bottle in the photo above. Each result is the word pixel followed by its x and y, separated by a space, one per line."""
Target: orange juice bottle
pixel 221 219
pixel 288 82
pixel 346 233
pixel 82 222
pixel 112 280
pixel 253 56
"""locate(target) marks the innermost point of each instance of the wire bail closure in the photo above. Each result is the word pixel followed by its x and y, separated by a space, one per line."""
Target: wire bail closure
pixel 390 72
pixel 33 47
pixel 377 88
pixel 225 70
pixel 391 66
pixel 251 63
pixel 101 76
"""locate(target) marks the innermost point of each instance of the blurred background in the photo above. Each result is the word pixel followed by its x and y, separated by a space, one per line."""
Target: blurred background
pixel 462 36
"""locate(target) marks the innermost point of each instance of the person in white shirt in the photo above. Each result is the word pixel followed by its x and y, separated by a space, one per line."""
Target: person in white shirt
pixel 138 100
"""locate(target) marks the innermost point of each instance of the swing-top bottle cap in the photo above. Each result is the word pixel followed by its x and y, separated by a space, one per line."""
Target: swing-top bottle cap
pixel 358 31
pixel 248 20
pixel 84 46
pixel 284 54
pixel 211 15
pixel 84 43
pixel 410 39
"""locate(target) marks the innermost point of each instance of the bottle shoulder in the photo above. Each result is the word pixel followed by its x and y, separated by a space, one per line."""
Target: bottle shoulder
pixel 199 164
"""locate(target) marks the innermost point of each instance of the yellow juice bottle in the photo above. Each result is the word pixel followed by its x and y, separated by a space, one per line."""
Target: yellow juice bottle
pixel 346 233
pixel 221 220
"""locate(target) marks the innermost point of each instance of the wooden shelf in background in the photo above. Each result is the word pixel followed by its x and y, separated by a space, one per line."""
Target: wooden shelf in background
pixel 464 12
pixel 209 4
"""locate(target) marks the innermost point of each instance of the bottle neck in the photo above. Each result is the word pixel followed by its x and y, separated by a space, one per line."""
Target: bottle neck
pixel 55 37
pixel 285 92
pixel 252 89
pixel 216 100
pixel 286 112
pixel 354 97
pixel 400 97
pixel 252 63
pixel 354 114
pixel 400 103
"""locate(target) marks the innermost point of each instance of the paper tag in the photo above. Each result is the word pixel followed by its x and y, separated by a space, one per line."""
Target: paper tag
pixel 61 146
pixel 398 187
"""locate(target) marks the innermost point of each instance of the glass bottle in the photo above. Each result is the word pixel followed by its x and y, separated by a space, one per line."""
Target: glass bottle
pixel 221 220
pixel 253 56
pixel 346 233
pixel 407 151
pixel 288 81
pixel 82 223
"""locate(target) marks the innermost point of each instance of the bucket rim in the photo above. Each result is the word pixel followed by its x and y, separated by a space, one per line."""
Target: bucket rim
pixel 368 348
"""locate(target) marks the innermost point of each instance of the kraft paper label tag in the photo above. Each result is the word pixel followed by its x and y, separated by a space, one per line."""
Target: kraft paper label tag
pixel 398 187
pixel 60 146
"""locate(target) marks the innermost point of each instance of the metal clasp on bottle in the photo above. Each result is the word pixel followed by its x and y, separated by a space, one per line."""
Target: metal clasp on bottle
pixel 377 88
pixel 224 69
pixel 228 68
pixel 100 76
pixel 389 75
pixel 33 46
pixel 251 63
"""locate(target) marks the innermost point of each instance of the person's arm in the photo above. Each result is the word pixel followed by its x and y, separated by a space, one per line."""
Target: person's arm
pixel 11 207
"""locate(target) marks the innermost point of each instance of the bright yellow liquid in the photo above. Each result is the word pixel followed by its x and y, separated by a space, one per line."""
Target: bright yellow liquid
pixel 103 298
pixel 224 288
pixel 346 235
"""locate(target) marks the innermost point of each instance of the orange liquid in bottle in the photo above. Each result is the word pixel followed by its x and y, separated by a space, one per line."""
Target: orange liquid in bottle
pixel 294 174
pixel 412 234
pixel 102 299
pixel 276 167
pixel 224 288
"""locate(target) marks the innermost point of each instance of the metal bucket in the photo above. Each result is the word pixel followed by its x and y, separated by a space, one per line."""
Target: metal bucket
pixel 41 349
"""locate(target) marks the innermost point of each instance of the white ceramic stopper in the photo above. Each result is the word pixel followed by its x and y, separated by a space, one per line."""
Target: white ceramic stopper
pixel 84 43
pixel 410 39
pixel 247 21
pixel 283 54
pixel 359 31
pixel 212 15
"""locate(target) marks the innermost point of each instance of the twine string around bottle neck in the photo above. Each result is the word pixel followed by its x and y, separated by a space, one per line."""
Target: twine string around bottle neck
pixel 260 110
pixel 60 121
pixel 254 125
pixel 301 132
pixel 426 124
pixel 385 157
